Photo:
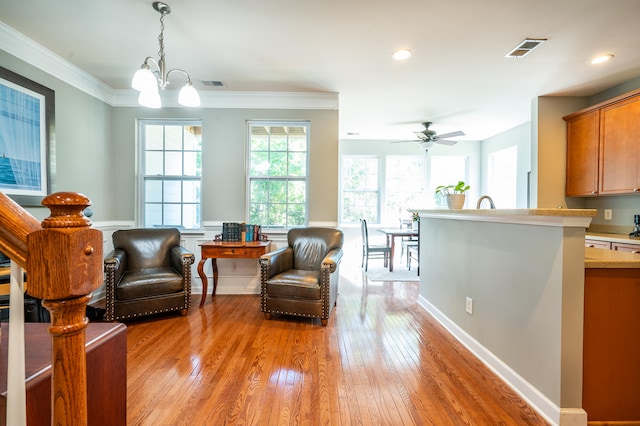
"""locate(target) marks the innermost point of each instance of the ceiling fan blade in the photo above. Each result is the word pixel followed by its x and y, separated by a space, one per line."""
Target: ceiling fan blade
pixel 451 135
pixel 446 142
pixel 412 140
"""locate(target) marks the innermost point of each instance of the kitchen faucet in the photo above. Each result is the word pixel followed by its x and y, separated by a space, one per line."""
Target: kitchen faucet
pixel 493 206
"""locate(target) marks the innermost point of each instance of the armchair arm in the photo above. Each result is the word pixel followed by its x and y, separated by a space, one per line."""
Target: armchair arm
pixel 115 264
pixel 181 258
pixel 332 260
pixel 276 262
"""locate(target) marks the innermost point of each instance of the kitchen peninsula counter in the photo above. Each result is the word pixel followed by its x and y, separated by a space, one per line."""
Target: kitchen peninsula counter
pixel 523 270
pixel 551 316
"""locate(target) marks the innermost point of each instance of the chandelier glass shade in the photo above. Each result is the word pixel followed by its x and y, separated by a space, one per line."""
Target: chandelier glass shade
pixel 148 82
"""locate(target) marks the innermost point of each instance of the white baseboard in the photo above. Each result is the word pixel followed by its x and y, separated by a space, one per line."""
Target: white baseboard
pixel 536 399
pixel 229 284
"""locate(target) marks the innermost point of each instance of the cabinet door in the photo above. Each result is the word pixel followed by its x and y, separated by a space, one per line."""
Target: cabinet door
pixel 633 248
pixel 582 154
pixel 597 244
pixel 620 147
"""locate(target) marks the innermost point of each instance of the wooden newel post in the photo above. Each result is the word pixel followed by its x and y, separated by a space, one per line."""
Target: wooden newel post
pixel 64 264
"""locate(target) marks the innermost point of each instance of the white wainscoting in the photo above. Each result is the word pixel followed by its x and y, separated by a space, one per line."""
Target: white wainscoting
pixel 235 276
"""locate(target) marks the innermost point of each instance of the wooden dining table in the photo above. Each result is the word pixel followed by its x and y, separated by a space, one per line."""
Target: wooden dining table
pixel 392 234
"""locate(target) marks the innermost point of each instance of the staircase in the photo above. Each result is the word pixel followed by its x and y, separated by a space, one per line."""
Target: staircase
pixel 63 259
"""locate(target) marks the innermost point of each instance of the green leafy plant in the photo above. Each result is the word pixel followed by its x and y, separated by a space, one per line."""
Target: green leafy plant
pixel 460 188
pixel 415 216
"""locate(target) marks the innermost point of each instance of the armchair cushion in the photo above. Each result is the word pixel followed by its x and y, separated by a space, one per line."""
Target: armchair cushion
pixel 295 283
pixel 144 282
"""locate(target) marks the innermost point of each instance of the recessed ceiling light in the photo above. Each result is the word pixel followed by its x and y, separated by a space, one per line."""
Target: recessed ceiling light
pixel 601 59
pixel 401 55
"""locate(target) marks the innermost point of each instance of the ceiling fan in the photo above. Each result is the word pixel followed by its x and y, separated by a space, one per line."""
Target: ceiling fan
pixel 427 137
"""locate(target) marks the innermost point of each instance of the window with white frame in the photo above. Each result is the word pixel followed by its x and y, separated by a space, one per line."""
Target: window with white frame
pixel 405 185
pixel 360 177
pixel 277 173
pixel 447 170
pixel 502 177
pixel 171 173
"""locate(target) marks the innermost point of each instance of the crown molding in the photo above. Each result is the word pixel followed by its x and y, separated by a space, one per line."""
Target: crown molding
pixel 258 100
pixel 27 50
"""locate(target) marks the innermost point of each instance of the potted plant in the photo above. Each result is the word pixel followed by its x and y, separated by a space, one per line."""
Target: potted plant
pixel 455 194
pixel 415 221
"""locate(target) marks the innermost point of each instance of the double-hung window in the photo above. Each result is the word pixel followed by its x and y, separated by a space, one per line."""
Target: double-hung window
pixel 447 170
pixel 171 173
pixel 277 173
pixel 360 177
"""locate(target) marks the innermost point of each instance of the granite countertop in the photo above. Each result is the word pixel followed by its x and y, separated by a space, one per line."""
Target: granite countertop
pixel 516 212
pixel 605 258
pixel 538 217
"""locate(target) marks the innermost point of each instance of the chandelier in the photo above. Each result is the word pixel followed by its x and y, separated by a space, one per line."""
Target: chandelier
pixel 147 82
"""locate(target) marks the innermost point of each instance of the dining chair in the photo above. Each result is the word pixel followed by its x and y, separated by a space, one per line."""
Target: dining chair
pixel 413 253
pixel 371 251
pixel 407 241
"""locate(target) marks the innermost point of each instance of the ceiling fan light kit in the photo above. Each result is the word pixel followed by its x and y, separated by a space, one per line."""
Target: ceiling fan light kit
pixel 427 138
pixel 148 83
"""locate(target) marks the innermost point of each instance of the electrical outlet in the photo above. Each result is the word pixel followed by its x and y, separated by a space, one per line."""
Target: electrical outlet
pixel 469 307
pixel 608 214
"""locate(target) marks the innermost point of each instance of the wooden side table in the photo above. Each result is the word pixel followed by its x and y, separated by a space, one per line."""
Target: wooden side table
pixel 226 250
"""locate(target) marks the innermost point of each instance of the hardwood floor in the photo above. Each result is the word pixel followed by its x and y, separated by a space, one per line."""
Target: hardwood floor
pixel 381 360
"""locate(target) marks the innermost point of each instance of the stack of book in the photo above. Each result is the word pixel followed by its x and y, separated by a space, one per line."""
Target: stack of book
pixel 253 232
pixel 236 232
pixel 232 231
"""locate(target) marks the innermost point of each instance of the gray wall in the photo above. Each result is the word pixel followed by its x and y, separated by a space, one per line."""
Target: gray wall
pixel 223 153
pixel 81 158
pixel 95 152
pixel 519 136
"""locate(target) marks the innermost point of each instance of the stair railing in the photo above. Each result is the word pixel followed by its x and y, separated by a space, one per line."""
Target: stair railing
pixel 63 259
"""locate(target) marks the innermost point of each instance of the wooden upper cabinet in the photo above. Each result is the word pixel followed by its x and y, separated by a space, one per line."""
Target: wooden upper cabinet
pixel 603 148
pixel 582 153
pixel 620 147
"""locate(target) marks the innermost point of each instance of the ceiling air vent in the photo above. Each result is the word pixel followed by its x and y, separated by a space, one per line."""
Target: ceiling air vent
pixel 213 83
pixel 525 47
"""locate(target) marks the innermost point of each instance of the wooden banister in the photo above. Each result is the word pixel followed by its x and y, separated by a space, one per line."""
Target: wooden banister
pixel 15 224
pixel 63 260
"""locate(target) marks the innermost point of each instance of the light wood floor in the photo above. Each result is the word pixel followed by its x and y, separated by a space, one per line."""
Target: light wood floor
pixel 381 360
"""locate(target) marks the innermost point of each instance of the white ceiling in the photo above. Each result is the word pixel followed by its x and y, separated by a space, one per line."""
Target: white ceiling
pixel 458 76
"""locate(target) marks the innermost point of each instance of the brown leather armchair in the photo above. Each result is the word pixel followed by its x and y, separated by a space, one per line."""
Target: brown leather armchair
pixel 302 278
pixel 148 272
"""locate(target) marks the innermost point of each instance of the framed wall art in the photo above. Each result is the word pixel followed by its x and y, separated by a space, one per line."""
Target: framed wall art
pixel 27 123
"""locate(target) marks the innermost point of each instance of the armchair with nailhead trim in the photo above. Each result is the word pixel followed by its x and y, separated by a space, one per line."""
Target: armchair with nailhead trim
pixel 302 278
pixel 147 273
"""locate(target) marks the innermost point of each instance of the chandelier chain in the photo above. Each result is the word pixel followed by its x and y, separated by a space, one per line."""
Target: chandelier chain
pixel 147 82
pixel 161 37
